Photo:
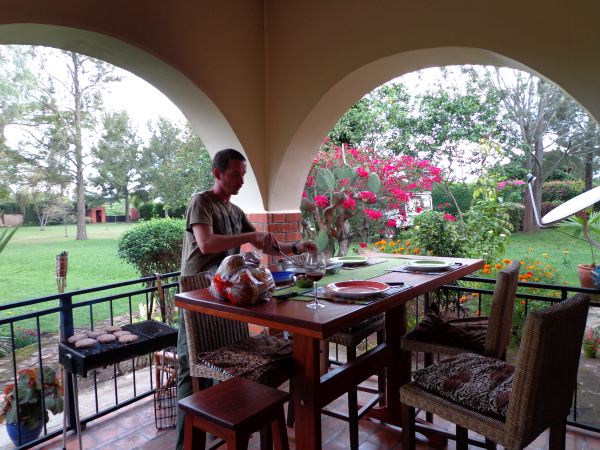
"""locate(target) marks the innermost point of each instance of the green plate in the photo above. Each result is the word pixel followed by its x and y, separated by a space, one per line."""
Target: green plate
pixel 349 260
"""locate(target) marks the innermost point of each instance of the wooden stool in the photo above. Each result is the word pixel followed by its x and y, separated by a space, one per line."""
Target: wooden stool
pixel 232 410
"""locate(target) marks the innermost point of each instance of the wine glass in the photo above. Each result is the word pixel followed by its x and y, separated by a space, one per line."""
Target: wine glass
pixel 315 265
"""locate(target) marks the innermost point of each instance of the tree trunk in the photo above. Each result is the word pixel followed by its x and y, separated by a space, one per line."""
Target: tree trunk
pixel 127 212
pixel 589 170
pixel 79 183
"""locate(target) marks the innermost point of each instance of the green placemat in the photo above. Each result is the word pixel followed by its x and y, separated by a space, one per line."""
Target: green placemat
pixel 363 273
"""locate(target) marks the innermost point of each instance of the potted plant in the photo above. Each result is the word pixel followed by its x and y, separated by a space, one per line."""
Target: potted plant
pixel 31 413
pixel 588 224
pixel 591 342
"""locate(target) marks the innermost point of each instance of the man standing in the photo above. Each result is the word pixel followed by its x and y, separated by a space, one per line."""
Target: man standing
pixel 214 229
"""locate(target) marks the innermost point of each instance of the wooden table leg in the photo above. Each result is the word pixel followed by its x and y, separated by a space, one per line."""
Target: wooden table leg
pixel 306 386
pixel 397 370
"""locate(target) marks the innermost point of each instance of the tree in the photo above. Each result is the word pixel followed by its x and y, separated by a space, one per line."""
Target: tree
pixel 57 133
pixel 537 117
pixel 116 158
pixel 175 164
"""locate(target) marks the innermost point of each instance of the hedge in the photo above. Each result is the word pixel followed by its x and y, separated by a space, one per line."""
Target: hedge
pixel 516 211
pixel 561 191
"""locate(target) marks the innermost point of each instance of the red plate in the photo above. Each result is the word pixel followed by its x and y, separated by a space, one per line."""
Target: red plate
pixel 356 289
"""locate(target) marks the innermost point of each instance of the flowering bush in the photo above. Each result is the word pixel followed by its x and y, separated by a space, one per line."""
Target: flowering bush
pixel 511 190
pixel 436 233
pixel 591 340
pixel 353 192
pixel 561 191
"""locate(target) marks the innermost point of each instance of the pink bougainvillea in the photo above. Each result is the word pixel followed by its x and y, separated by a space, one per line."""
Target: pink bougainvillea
pixel 449 217
pixel 321 201
pixel 363 245
pixel 349 203
pixel 352 169
pixel 367 196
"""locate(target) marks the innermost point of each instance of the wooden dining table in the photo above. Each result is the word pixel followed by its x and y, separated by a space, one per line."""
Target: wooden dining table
pixel 312 391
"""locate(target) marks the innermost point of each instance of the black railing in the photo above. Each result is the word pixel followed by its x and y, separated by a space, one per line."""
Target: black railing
pixel 41 318
pixel 44 315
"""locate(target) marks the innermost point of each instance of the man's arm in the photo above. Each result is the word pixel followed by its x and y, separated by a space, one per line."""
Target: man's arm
pixel 288 248
pixel 217 243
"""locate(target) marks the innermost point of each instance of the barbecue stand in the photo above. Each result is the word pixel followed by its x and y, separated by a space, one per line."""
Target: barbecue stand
pixel 153 336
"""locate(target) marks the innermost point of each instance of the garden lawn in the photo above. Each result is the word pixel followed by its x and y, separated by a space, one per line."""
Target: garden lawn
pixel 551 247
pixel 28 265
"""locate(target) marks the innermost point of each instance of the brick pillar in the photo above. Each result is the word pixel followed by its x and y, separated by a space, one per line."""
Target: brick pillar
pixel 285 225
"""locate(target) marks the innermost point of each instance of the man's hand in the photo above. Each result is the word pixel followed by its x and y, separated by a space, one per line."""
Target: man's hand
pixel 306 246
pixel 264 241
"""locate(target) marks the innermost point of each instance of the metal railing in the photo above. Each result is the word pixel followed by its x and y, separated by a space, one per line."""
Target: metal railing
pixel 85 308
pixel 115 303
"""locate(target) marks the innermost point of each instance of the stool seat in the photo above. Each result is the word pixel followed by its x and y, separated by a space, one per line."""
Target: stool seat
pixel 234 409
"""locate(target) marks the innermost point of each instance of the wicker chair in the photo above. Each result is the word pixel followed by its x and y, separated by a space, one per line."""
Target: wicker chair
pixel 350 339
pixel 208 334
pixel 496 329
pixel 540 392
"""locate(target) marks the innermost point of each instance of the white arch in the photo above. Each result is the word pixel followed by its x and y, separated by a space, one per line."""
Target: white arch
pixel 203 114
pixel 286 188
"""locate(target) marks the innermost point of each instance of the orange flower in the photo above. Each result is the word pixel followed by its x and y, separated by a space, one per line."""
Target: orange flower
pixel 523 302
pixel 498 266
pixel 487 266
pixel 486 271
pixel 401 249
pixel 506 261
pixel 417 251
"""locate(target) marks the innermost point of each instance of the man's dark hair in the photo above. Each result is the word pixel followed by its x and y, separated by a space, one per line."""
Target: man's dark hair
pixel 222 157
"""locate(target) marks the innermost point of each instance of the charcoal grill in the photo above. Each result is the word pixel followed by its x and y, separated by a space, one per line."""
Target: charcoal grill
pixel 153 336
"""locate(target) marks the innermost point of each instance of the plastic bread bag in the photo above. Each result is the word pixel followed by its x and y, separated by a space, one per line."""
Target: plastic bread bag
pixel 241 281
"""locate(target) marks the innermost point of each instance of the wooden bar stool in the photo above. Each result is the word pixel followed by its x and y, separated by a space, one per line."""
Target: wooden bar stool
pixel 232 410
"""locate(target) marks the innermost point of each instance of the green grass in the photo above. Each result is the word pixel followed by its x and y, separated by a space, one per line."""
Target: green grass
pixel 564 252
pixel 28 267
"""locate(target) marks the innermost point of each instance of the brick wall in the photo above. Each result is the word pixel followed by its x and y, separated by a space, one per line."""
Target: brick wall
pixel 286 226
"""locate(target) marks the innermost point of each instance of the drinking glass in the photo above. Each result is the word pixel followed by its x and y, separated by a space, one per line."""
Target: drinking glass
pixel 315 265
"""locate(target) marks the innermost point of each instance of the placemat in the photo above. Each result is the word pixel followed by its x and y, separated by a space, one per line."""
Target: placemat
pixel 403 269
pixel 325 295
pixel 370 262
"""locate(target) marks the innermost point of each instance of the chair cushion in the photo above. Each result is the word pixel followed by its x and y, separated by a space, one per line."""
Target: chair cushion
pixel 468 333
pixel 261 358
pixel 474 381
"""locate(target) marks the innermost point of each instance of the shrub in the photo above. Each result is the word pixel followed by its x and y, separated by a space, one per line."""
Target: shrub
pixel 146 211
pixel 436 233
pixel 548 206
pixel 153 246
pixel 463 193
pixel 487 230
pixel 561 191
pixel 516 212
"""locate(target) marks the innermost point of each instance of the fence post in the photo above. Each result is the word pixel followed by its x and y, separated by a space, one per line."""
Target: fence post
pixel 66 328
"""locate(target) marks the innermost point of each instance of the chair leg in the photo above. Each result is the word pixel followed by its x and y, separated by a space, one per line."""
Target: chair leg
pixel 266 438
pixel 408 427
pixel 428 361
pixel 462 438
pixel 279 432
pixel 291 415
pixel 381 375
pixel 193 437
pixel 352 405
pixel 558 434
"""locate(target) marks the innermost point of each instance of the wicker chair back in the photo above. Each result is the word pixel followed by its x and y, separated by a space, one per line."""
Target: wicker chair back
pixel 546 369
pixel 500 319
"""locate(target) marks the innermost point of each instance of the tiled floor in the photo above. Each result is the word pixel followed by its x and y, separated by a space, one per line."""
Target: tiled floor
pixel 134 428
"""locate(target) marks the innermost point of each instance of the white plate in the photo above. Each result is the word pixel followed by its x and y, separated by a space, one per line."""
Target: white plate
pixel 356 289
pixel 428 264
pixel 349 260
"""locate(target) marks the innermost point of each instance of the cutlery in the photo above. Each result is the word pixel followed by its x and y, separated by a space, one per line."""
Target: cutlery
pixel 277 249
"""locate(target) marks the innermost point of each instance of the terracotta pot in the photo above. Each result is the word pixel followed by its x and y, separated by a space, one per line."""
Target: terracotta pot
pixel 585 275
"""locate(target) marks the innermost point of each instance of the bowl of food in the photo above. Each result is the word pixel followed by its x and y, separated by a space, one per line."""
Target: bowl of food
pixel 295 264
pixel 302 281
pixel 333 268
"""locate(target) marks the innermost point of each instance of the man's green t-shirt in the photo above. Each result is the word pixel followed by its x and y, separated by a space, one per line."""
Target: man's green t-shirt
pixel 205 208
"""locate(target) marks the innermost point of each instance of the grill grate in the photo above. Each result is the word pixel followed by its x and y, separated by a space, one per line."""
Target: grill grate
pixel 153 336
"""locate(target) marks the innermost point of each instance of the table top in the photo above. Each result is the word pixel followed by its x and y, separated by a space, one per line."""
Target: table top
pixel 295 317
